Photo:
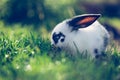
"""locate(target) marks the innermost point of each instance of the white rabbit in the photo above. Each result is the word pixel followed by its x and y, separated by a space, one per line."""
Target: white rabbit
pixel 81 34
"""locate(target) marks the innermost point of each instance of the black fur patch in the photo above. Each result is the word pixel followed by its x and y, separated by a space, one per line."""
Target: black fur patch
pixel 96 51
pixel 105 41
pixel 58 36
pixel 97 56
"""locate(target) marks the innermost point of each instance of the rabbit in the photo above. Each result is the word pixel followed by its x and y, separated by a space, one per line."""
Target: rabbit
pixel 83 34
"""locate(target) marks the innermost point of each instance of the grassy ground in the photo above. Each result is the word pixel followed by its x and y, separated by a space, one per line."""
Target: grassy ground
pixel 26 54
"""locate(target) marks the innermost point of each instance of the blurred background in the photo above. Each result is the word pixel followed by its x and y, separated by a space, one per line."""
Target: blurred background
pixel 47 13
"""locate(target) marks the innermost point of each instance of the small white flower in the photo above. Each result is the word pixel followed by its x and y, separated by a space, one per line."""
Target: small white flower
pixel 63 60
pixel 33 52
pixel 17 67
pixel 6 55
pixel 28 67
pixel 57 62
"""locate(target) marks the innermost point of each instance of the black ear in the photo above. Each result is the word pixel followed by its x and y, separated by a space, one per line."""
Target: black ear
pixel 83 21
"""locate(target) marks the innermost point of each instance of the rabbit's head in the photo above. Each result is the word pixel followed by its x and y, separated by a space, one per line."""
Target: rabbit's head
pixel 62 34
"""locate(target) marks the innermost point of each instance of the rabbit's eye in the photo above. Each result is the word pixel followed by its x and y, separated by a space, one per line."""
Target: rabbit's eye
pixel 58 36
pixel 62 40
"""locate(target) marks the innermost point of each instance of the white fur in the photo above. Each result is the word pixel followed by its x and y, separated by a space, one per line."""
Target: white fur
pixel 85 39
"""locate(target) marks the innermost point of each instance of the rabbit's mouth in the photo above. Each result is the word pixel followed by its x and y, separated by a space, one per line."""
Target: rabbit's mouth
pixel 56 48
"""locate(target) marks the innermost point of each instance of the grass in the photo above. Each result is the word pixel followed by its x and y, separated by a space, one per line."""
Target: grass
pixel 26 55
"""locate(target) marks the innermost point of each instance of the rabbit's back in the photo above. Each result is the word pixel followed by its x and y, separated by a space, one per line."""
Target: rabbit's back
pixel 92 39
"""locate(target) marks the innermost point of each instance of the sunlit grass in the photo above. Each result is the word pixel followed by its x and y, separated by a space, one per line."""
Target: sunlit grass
pixel 115 22
pixel 112 21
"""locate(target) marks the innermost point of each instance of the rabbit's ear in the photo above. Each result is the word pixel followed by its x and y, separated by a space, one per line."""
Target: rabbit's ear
pixel 83 21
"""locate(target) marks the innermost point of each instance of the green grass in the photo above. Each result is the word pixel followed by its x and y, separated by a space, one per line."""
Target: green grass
pixel 25 54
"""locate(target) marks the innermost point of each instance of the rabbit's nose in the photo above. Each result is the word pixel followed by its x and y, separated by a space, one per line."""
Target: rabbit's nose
pixel 52 45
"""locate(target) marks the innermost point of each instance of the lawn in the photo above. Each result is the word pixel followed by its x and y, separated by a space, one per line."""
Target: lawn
pixel 26 54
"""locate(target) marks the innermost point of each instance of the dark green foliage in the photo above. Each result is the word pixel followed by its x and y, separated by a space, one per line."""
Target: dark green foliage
pixel 38 12
pixel 26 11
